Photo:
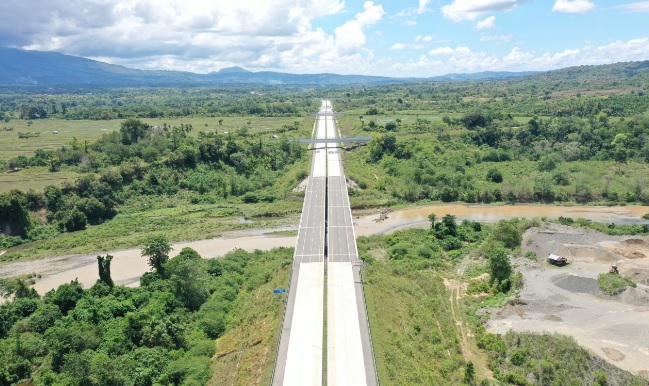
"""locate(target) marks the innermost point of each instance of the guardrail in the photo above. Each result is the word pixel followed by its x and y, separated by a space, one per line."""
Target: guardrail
pixel 281 326
pixel 369 327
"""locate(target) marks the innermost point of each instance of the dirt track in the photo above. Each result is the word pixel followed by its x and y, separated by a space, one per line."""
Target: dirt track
pixel 567 300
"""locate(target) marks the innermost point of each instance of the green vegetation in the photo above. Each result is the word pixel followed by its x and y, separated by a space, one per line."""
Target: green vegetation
pixel 413 331
pixel 609 229
pixel 160 333
pixel 532 359
pixel 514 141
pixel 415 336
pixel 245 353
pixel 140 165
pixel 425 332
pixel 145 167
pixel 613 284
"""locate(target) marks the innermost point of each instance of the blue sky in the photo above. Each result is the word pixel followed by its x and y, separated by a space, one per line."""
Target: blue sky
pixel 393 38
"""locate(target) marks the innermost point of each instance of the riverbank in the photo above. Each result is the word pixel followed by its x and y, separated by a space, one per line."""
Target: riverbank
pixel 128 264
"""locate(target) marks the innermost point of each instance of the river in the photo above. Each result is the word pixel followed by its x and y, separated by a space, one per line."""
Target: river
pixel 128 265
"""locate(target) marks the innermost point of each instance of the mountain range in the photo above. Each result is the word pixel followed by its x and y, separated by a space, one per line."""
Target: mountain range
pixel 41 68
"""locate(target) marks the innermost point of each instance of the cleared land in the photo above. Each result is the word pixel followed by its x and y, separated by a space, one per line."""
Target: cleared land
pixel 567 300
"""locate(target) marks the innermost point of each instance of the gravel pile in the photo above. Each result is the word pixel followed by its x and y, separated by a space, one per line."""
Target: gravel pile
pixel 577 284
pixel 547 308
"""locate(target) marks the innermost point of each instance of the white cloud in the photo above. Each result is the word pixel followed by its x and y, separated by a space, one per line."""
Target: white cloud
pixel 422 6
pixel 461 10
pixel 501 38
pixel 198 36
pixel 441 51
pixel 404 46
pixel 425 38
pixel 371 15
pixel 409 23
pixel 350 36
pixel 463 59
pixel 487 23
pixel 638 6
pixel 573 6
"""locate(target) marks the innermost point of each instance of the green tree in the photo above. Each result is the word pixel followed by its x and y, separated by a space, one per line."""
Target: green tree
pixel 188 278
pixel 433 218
pixel 494 175
pixel 66 296
pixel 507 233
pixel 104 269
pixel 14 213
pixel 74 220
pixel 500 268
pixel 133 130
pixel 156 249
pixel 447 227
pixel 548 163
pixel 469 373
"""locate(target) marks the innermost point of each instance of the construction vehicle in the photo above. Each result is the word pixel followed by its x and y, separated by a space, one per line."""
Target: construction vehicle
pixel 557 260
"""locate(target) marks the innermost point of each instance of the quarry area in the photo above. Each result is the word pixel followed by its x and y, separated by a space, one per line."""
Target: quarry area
pixel 567 300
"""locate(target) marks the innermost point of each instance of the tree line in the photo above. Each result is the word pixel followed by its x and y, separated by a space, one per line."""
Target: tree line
pixel 140 160
pixel 162 332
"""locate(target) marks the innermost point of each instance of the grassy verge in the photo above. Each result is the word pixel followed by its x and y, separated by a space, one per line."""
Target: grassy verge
pixel 613 284
pixel 415 337
pixel 245 353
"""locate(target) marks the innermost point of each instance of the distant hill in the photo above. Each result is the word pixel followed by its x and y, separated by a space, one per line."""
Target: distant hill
pixel 25 68
pixel 485 75
pixel 20 67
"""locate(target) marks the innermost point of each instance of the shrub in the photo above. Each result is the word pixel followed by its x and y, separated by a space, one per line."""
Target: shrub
pixel 250 198
pixel 494 175
pixel 613 284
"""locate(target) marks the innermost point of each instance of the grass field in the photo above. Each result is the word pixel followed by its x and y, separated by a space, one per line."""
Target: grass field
pixel 12 146
pixel 34 178
pixel 414 335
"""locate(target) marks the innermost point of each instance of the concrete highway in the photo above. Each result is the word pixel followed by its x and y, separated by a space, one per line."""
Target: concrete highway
pixel 325 236
pixel 350 359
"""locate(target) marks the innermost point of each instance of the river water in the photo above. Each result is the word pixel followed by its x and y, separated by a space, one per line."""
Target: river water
pixel 128 265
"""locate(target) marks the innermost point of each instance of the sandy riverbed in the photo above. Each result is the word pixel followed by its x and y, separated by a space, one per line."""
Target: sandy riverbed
pixel 128 265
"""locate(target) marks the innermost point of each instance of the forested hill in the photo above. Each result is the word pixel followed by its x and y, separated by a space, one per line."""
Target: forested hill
pixel 28 68
pixel 24 68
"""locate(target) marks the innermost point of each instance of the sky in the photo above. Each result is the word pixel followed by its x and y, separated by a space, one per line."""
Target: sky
pixel 401 38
